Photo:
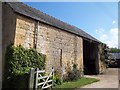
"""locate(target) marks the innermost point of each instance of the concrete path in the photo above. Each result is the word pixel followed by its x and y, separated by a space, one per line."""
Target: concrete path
pixel 107 80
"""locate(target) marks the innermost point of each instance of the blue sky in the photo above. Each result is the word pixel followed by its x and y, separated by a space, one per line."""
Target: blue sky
pixel 99 19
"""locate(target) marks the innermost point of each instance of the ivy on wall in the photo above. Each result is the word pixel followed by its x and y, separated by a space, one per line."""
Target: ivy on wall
pixel 104 54
pixel 18 63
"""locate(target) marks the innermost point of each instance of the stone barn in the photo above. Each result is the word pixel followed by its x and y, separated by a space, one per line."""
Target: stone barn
pixel 63 44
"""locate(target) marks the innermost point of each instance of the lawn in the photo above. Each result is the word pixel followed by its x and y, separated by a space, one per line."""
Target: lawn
pixel 76 84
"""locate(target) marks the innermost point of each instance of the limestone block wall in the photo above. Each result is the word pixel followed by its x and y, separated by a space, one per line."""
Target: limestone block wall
pixel 62 49
pixel 102 66
pixel 24 32
pixel 79 55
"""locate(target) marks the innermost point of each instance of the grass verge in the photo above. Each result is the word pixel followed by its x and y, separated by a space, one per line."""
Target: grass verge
pixel 76 84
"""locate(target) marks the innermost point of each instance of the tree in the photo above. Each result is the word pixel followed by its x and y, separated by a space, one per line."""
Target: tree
pixel 114 50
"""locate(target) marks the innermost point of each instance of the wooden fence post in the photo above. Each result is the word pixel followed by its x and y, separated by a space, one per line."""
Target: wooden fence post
pixel 31 79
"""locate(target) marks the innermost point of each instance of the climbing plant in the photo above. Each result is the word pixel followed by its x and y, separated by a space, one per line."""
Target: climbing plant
pixel 104 54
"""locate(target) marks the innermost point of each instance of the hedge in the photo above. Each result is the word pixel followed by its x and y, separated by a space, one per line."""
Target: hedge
pixel 18 63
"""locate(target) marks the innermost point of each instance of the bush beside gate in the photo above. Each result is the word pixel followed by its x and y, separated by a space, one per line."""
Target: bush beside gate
pixel 19 61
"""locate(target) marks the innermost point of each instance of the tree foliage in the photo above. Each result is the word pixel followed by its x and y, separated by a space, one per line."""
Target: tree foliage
pixel 114 50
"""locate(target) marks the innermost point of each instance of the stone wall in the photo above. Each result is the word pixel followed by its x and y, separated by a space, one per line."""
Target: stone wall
pixel 24 32
pixel 8 30
pixel 61 48
pixel 102 66
pixel 57 45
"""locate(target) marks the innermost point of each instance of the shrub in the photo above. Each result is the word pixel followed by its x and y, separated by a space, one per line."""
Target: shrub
pixel 57 78
pixel 74 74
pixel 18 63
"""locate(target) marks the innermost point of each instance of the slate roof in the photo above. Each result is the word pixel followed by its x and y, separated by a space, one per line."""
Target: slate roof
pixel 28 11
pixel 114 55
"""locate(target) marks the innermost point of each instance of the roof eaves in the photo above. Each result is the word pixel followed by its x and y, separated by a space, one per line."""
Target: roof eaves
pixel 75 31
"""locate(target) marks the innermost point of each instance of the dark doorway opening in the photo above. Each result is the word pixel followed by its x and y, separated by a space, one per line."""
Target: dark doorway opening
pixel 90 58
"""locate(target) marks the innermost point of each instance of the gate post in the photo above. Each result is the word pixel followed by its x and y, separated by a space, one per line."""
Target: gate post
pixel 52 77
pixel 31 79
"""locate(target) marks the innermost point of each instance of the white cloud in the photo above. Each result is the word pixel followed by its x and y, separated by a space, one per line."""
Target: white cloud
pixel 110 37
pixel 114 33
pixel 119 38
pixel 100 31
pixel 103 37
pixel 113 22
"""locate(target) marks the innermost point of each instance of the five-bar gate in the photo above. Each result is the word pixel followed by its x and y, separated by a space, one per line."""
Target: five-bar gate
pixel 40 80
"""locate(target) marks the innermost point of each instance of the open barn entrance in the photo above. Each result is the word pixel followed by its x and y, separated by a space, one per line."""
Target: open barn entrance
pixel 90 58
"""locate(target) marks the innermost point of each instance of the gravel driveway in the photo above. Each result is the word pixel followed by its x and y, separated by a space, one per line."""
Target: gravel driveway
pixel 107 80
